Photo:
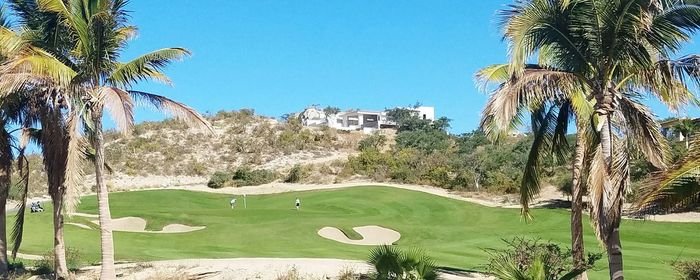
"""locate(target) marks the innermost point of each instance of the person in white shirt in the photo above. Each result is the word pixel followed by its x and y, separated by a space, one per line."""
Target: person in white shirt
pixel 233 202
pixel 297 203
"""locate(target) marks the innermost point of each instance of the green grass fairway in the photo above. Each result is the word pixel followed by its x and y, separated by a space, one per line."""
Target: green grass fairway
pixel 453 232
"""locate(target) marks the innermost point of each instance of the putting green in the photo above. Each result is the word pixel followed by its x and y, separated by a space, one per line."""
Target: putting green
pixel 453 232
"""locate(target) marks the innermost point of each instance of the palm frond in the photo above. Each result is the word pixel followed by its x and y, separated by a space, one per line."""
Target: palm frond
pixel 18 228
pixel 175 109
pixel 74 160
pixel 646 131
pixel 548 125
pixel 120 107
pixel 607 185
pixel 146 67
pixel 504 109
pixel 674 189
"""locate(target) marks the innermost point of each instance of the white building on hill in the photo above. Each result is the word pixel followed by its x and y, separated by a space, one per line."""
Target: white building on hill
pixel 365 120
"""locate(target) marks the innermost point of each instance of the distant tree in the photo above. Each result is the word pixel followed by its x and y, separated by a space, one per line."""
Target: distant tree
pixel 374 141
pixel 330 110
pixel 686 127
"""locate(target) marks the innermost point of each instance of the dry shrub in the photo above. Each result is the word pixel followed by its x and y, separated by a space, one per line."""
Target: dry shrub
pixel 291 274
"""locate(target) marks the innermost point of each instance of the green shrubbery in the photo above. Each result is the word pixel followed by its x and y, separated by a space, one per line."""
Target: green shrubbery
pixel 534 260
pixel 45 265
pixel 244 176
pixel 297 174
pixel 375 141
pixel 219 180
pixel 391 263
pixel 687 270
pixel 433 157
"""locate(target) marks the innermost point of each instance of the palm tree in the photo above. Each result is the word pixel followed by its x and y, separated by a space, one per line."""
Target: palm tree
pixel 6 161
pixel 550 121
pixel 616 53
pixel 677 188
pixel 42 38
pixel 90 79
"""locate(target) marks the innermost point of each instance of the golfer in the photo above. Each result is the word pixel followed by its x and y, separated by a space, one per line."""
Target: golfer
pixel 297 203
pixel 233 202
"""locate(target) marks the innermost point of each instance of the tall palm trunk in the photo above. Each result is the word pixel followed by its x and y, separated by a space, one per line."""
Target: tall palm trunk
pixel 55 152
pixel 605 108
pixel 577 205
pixel 5 183
pixel 107 244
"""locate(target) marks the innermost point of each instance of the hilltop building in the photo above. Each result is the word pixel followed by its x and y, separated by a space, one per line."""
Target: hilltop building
pixel 356 119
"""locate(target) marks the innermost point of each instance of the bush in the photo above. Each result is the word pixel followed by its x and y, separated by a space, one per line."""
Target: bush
pixel 46 264
pixel 375 141
pixel 390 263
pixel 218 180
pixel 687 270
pixel 291 274
pixel 535 260
pixel 296 174
pixel 246 176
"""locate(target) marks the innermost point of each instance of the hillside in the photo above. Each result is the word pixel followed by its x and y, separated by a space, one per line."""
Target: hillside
pixel 168 153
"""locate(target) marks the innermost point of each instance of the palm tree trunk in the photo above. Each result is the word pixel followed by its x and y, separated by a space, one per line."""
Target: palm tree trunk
pixel 4 264
pixel 577 206
pixel 107 243
pixel 614 248
pixel 605 108
pixel 55 153
pixel 59 246
pixel 5 183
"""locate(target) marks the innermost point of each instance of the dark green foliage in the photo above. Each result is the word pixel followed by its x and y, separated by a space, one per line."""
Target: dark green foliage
pixel 392 263
pixel 218 180
pixel 330 110
pixel 687 270
pixel 374 141
pixel 297 174
pixel 246 176
pixel 531 259
pixel 463 162
pixel 428 140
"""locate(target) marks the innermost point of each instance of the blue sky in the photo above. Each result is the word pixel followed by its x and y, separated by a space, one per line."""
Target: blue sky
pixel 281 56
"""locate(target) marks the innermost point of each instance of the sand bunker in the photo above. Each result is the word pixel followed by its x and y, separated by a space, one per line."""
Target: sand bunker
pixel 135 224
pixel 371 235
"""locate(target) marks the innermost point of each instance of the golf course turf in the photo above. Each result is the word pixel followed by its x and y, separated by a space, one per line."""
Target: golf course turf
pixel 453 232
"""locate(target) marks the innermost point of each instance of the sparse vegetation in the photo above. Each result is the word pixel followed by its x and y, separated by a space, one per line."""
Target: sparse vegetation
pixel 687 270
pixel 45 265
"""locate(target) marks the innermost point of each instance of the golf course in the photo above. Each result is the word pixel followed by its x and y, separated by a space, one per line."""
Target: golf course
pixel 453 232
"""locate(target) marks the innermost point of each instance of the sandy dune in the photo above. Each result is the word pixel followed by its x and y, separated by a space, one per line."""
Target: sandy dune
pixel 371 235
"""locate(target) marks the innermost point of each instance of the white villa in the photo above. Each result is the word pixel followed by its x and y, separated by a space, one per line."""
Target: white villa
pixel 365 120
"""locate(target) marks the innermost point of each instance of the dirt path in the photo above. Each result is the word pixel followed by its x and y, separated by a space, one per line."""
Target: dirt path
pixel 248 268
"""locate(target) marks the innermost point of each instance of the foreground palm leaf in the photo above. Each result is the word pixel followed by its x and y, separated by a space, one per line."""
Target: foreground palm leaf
pixel 675 189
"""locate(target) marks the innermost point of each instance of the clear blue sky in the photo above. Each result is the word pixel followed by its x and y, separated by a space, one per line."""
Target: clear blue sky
pixel 280 56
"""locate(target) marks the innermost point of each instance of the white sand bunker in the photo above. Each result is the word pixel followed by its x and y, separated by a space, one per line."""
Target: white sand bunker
pixel 135 224
pixel 371 235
